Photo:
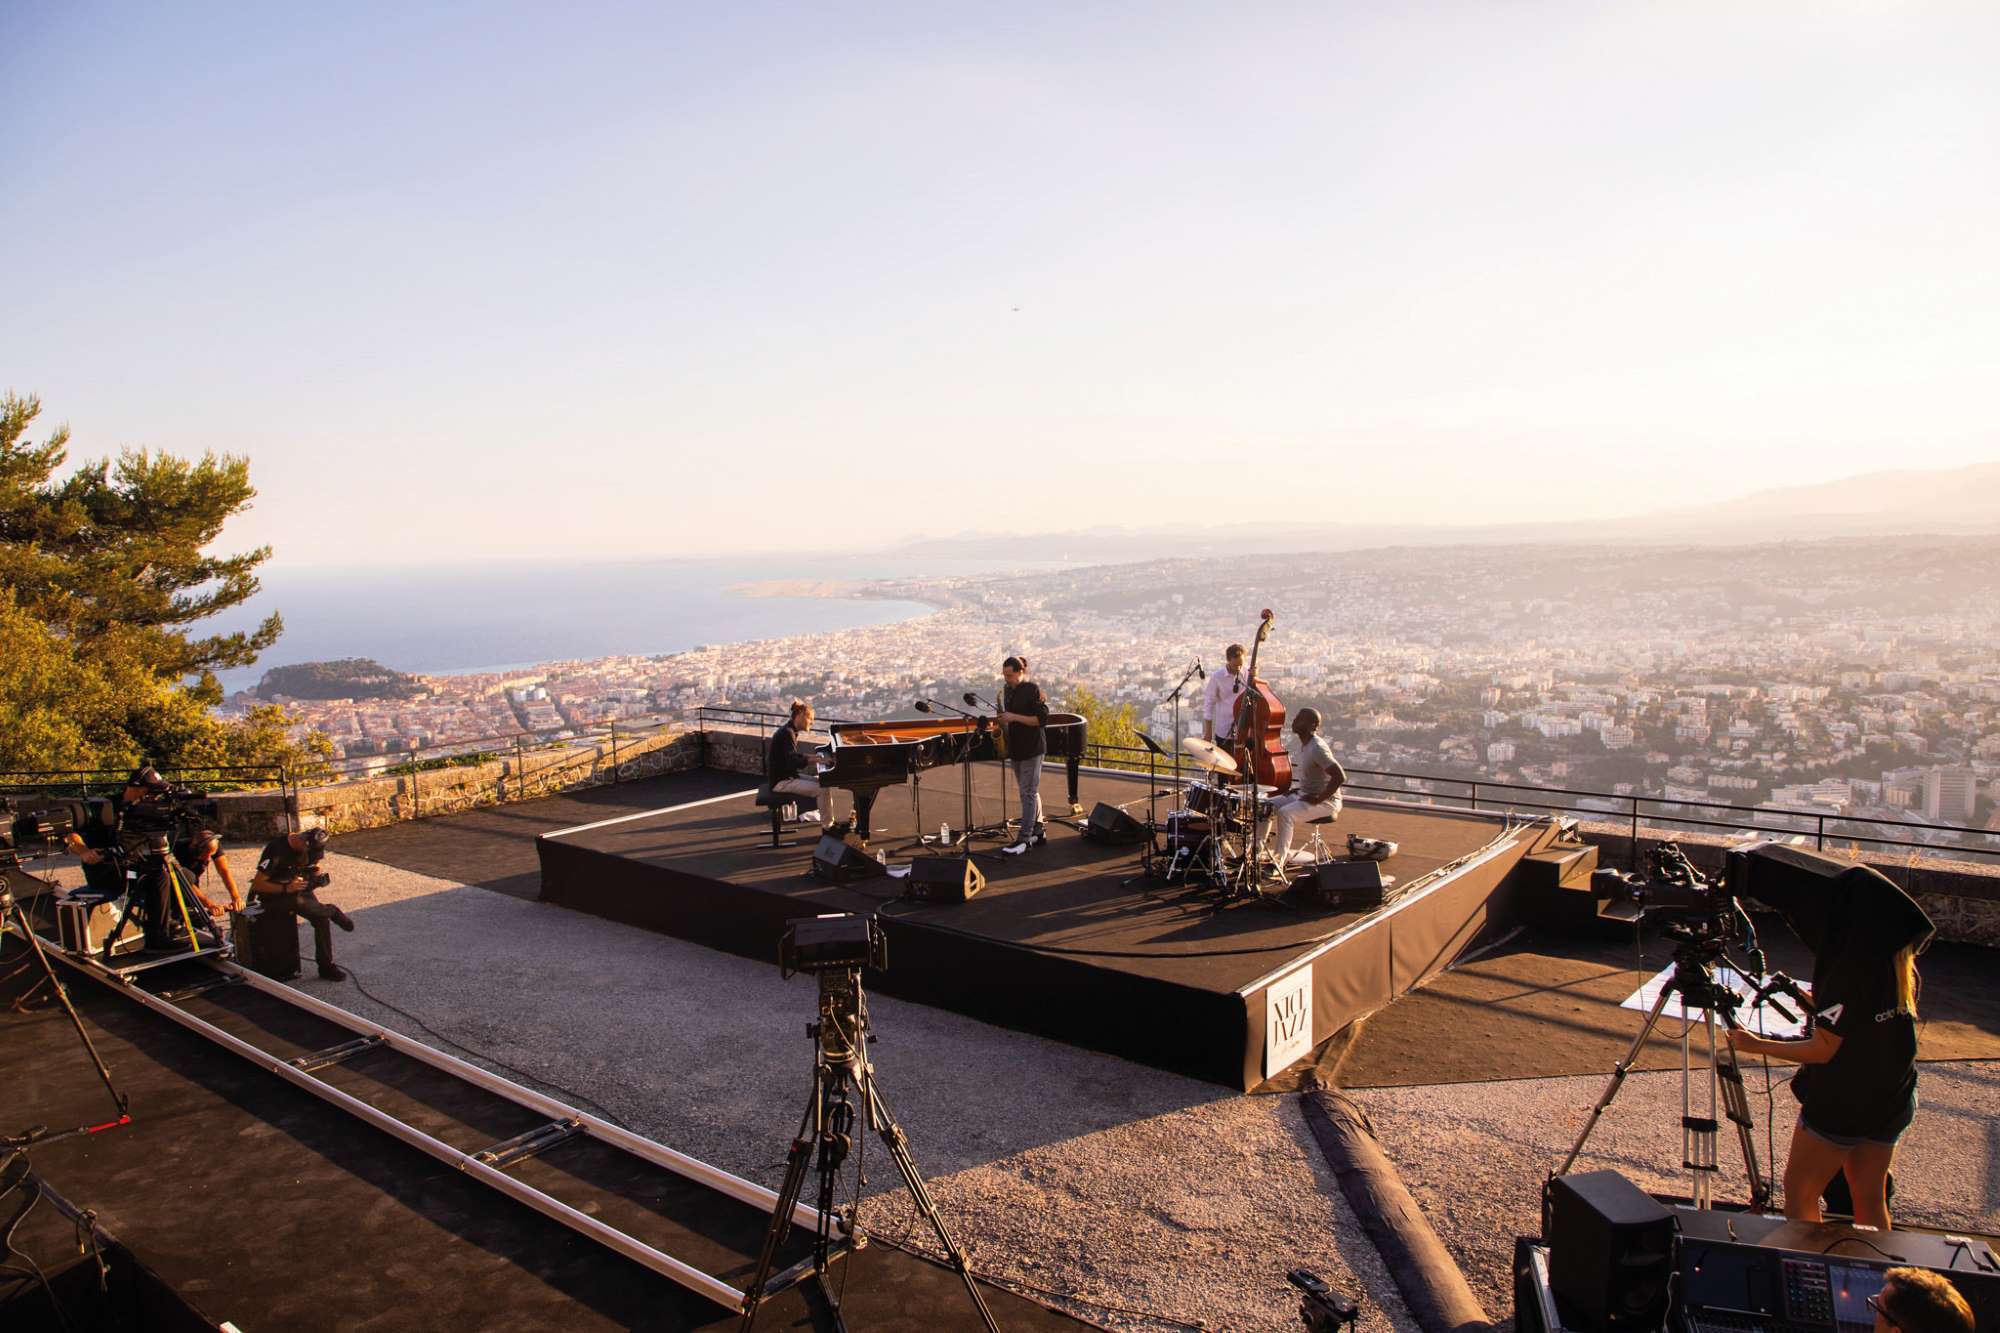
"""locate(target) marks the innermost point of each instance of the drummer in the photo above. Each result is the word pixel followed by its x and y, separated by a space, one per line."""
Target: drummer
pixel 1219 700
pixel 1318 777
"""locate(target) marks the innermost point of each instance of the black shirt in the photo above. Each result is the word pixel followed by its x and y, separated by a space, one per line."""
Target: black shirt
pixel 1869 1088
pixel 1025 739
pixel 783 760
pixel 281 861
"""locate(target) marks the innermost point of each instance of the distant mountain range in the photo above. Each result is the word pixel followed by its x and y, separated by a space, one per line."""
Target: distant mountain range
pixel 1876 504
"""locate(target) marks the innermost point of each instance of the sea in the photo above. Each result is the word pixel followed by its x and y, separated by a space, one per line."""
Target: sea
pixel 444 619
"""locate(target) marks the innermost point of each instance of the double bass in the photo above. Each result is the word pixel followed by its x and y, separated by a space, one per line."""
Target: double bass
pixel 1260 725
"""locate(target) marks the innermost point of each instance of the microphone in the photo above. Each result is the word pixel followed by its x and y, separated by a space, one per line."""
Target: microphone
pixel 922 705
pixel 1197 669
pixel 971 699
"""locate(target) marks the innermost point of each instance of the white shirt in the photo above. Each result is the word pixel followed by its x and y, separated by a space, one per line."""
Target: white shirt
pixel 1219 699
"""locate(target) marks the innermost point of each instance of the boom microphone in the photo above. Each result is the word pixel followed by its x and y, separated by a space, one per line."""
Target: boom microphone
pixel 922 705
pixel 1197 669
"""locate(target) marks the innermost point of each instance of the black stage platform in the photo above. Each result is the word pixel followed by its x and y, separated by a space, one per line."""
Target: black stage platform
pixel 261 1204
pixel 1060 943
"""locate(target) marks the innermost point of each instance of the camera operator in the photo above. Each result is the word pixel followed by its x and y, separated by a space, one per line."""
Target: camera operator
pixel 1857 1089
pixel 105 847
pixel 287 876
pixel 197 849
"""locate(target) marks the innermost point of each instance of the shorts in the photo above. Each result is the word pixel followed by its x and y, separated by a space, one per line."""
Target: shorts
pixel 1847 1141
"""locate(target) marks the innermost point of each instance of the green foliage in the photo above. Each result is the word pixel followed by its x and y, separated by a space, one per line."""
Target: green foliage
pixel 1107 726
pixel 101 574
pixel 347 678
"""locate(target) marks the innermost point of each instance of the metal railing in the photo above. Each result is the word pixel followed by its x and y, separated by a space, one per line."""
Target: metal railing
pixel 1483 794
pixel 109 781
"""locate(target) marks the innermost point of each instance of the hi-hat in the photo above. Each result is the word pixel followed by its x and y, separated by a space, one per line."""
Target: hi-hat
pixel 1210 754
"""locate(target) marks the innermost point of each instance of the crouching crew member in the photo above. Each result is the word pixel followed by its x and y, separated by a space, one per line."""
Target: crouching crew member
pixel 196 852
pixel 785 764
pixel 287 878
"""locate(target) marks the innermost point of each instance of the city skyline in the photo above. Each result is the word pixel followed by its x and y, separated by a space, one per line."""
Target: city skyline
pixel 446 284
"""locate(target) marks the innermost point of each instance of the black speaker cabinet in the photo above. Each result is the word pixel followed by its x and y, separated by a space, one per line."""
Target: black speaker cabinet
pixel 837 859
pixel 1348 885
pixel 1110 824
pixel 1611 1250
pixel 944 879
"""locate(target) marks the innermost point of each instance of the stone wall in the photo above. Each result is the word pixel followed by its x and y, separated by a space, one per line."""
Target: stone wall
pixel 1961 897
pixel 341 807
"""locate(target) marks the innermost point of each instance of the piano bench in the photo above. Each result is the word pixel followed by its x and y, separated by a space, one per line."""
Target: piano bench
pixel 784 810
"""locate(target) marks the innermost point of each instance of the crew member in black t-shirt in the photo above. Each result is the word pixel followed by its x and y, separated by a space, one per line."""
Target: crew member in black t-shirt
pixel 1024 712
pixel 285 882
pixel 785 765
pixel 1857 1088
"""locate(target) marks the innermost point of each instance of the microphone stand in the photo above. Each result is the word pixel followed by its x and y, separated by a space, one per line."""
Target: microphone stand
pixel 974 701
pixel 1175 700
pixel 964 770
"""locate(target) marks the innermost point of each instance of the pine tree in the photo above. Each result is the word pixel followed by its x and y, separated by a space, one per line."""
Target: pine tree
pixel 103 574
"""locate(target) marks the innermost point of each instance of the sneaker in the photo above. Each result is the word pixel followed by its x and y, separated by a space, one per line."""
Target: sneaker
pixel 331 972
pixel 1038 837
pixel 343 920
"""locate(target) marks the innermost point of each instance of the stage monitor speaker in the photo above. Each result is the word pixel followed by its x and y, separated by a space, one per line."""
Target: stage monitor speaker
pixel 1349 885
pixel 1110 824
pixel 944 879
pixel 835 858
pixel 1611 1250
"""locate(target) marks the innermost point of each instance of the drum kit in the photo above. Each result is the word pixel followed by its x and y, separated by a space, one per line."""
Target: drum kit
pixel 1216 833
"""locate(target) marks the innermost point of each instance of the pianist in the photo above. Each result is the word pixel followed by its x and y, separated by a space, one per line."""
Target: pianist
pixel 787 769
pixel 1025 714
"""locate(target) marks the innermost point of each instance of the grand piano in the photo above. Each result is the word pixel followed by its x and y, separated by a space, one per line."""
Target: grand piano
pixel 866 757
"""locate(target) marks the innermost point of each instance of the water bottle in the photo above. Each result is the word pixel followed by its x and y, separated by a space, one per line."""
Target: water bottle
pixel 944 834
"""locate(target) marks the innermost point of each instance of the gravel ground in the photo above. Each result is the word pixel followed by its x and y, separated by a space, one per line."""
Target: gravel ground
pixel 1063 1169
pixel 1474 1154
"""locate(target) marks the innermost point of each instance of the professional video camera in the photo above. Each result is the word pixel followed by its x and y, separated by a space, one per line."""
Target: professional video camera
pixel 39 827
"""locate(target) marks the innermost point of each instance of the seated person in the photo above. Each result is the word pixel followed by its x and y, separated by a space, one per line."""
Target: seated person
pixel 1317 777
pixel 787 769
pixel 111 847
pixel 1916 1300
pixel 285 881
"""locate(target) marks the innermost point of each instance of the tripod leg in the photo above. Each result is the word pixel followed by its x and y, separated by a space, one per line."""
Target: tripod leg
pixel 899 1149
pixel 1618 1072
pixel 1736 1105
pixel 49 977
pixel 788 1197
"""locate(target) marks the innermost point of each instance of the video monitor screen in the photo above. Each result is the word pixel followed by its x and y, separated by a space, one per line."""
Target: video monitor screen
pixel 1852 1285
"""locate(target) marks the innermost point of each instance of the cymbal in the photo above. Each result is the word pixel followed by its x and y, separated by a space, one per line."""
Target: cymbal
pixel 1209 753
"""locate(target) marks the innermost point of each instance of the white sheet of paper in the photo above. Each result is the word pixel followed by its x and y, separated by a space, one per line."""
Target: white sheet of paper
pixel 1764 1020
pixel 897 872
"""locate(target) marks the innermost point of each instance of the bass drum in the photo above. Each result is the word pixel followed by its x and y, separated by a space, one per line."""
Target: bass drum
pixel 1187 830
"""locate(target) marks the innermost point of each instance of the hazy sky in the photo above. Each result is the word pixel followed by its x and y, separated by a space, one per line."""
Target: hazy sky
pixel 584 280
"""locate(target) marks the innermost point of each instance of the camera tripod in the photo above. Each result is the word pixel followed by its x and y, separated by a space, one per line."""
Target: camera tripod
pixel 1693 979
pixel 12 916
pixel 842 1076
